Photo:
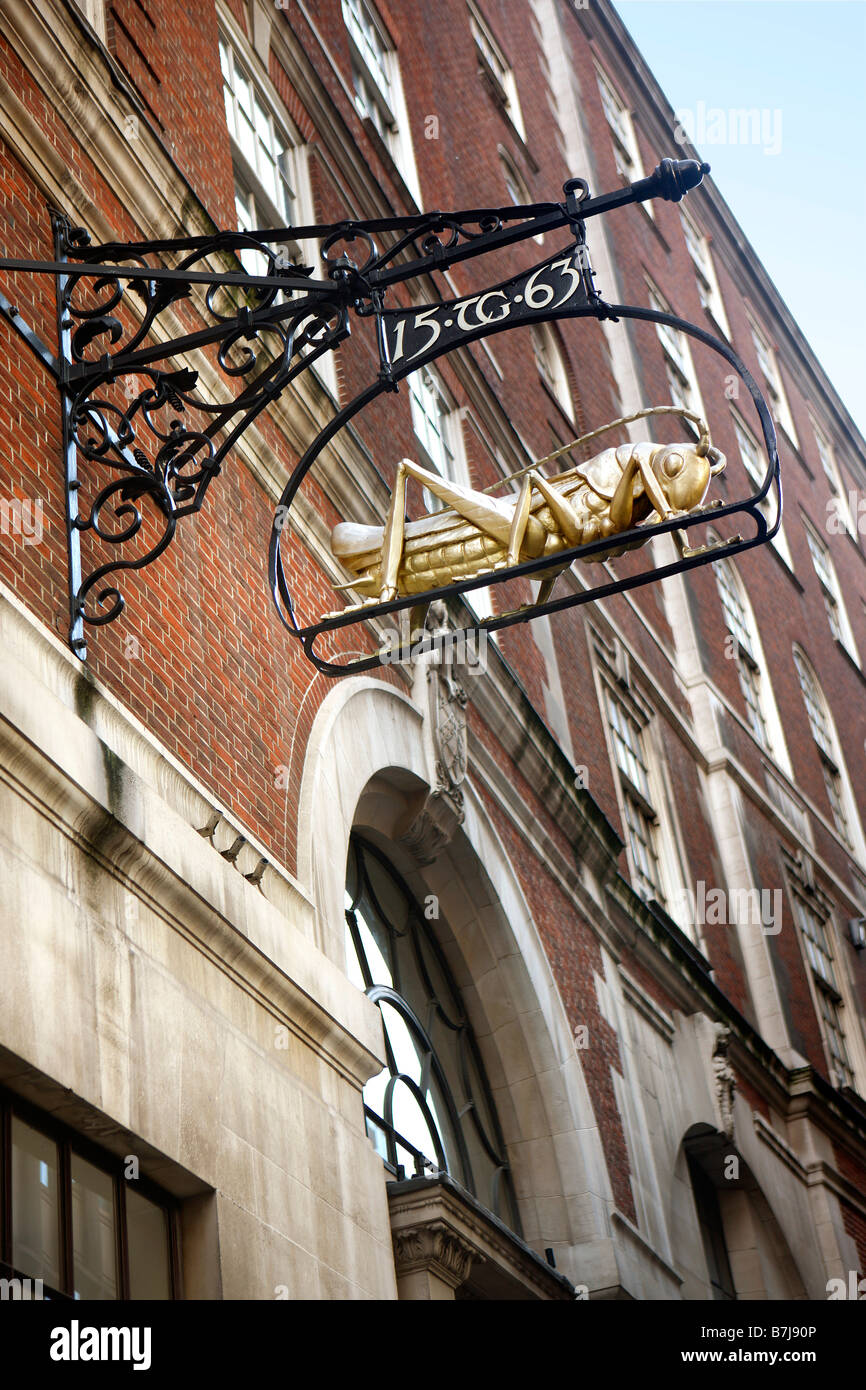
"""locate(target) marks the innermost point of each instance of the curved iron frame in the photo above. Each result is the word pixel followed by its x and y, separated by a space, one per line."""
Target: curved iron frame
pixel 308 634
pixel 171 464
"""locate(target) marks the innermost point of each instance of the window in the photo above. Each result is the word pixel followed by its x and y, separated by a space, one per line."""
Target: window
pixel 712 1231
pixel 270 179
pixel 740 625
pixel 841 505
pixel 626 152
pixel 436 429
pixel 705 272
pixel 779 407
pixel 679 366
pixel 431 1107
pixel 378 89
pixel 814 928
pixel 70 1217
pixel 640 818
pixel 518 191
pixel 550 361
pixel 837 615
pixel 264 177
pixel 753 462
pixel 835 775
pixel 495 69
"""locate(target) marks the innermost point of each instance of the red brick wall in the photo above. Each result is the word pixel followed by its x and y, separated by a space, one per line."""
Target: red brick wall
pixel 215 677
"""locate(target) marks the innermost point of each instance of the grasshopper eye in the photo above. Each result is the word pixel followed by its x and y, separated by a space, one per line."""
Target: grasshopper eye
pixel 673 465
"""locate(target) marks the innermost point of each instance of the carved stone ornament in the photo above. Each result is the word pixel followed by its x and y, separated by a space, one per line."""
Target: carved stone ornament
pixel 725 1080
pixel 434 1246
pixel 442 812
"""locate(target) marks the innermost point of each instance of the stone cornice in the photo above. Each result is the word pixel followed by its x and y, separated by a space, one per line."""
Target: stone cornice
pixel 436 1224
pixel 84 764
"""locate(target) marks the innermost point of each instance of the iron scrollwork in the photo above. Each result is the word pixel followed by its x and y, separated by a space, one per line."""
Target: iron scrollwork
pixel 153 430
pixel 130 409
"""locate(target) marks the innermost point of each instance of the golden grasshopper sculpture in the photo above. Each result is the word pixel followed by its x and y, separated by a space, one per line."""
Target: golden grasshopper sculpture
pixel 476 533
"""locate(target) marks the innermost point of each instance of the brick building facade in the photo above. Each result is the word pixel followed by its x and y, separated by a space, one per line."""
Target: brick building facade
pixel 632 1013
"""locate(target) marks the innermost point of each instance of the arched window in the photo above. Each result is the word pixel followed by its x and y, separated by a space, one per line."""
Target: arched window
pixel 431 1107
pixel 751 668
pixel 839 792
pixel 712 1231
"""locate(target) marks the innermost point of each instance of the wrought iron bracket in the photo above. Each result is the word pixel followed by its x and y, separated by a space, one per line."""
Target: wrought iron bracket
pixel 145 433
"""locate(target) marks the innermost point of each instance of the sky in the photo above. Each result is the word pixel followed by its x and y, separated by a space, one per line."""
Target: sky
pixel 799 192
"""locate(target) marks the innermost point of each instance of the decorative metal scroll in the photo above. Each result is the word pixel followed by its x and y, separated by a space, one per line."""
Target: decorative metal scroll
pixel 145 432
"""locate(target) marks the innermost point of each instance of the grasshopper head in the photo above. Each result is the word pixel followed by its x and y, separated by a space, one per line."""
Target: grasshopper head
pixel 684 475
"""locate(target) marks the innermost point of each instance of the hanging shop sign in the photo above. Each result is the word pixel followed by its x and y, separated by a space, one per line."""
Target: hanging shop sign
pixel 145 433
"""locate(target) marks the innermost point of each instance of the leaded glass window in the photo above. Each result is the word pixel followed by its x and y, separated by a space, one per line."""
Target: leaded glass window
pixel 430 1110
pixel 815 928
pixel 825 737
pixel 739 624
pixel 639 815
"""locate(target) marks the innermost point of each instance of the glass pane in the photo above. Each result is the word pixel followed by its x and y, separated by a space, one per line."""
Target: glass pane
pixel 407 1052
pixel 147 1233
pixel 244 92
pixel 35 1214
pixel 247 140
pixel 409 1122
pixel 93 1231
pixel 376 947
pixel 389 897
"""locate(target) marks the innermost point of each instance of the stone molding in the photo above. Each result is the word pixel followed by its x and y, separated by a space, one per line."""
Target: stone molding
pixel 436 1246
pixel 439 1227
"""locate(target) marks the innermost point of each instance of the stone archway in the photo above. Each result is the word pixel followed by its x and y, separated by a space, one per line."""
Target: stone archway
pixel 366 768
pixel 759 1257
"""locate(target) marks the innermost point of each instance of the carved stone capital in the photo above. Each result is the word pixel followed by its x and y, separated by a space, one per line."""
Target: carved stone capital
pixel 724 1077
pixel 434 824
pixel 436 1247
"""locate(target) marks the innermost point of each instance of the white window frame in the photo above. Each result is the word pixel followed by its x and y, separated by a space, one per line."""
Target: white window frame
pixel 698 247
pixel 827 455
pixel 817 942
pixel 751 457
pixel 843 806
pixel 682 378
pixel 425 385
pixel 834 603
pixel 669 887
pixel 383 102
pixel 768 362
pixel 248 184
pixel 550 360
pixel 752 668
pixel 625 146
pixel 279 132
pixel 496 68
